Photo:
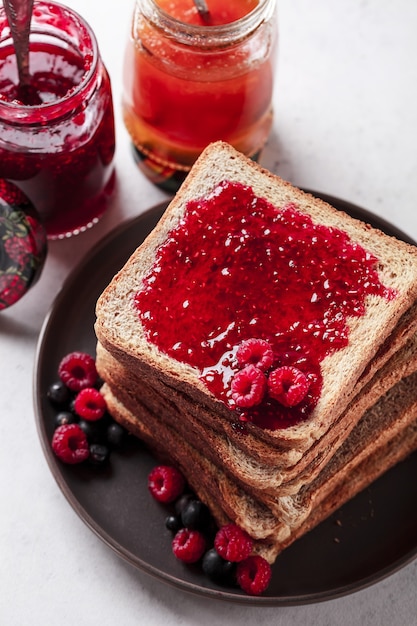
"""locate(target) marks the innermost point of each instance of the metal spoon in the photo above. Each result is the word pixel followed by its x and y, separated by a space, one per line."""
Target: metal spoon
pixel 19 15
pixel 203 10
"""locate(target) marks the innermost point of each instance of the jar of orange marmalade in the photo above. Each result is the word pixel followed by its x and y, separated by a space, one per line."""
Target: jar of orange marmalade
pixel 191 78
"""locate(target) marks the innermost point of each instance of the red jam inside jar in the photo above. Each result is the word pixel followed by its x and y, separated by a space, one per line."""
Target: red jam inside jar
pixel 237 267
pixel 189 82
pixel 220 12
pixel 57 138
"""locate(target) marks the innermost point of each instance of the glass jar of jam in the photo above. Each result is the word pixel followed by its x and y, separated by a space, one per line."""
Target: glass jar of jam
pixel 190 79
pixel 57 139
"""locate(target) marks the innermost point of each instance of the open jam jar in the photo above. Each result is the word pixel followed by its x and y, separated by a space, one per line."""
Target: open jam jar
pixel 190 80
pixel 57 145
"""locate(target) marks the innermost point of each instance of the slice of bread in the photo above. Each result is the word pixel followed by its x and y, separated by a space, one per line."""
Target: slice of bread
pixel 283 456
pixel 347 475
pixel 370 469
pixel 120 331
pixel 378 425
pixel 268 477
pixel 227 500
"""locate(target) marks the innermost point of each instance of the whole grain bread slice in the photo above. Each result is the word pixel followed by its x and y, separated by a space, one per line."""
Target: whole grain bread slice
pixel 256 442
pixel 227 500
pixel 270 475
pixel 213 487
pixel 380 423
pixel 372 466
pixel 369 470
pixel 119 329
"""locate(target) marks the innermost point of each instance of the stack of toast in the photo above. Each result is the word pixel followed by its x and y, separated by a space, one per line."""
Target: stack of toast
pixel 274 479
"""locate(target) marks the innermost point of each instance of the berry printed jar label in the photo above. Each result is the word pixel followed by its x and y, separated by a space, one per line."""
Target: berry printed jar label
pixel 241 275
pixel 22 245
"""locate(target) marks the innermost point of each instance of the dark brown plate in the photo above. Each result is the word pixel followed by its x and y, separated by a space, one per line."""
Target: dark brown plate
pixel 368 539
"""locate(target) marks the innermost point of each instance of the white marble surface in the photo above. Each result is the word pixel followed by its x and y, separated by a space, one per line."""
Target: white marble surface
pixel 345 124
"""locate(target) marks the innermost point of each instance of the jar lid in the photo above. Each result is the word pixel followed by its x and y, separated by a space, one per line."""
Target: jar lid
pixel 23 244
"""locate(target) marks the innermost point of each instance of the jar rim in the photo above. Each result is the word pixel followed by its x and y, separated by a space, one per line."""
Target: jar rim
pixel 19 111
pixel 207 35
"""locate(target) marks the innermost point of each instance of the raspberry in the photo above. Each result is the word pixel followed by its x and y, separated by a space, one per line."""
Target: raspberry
pixel 248 386
pixel 90 404
pixel 188 545
pixel 232 543
pixel 288 385
pixel 78 370
pixel 253 575
pixel 70 444
pixel 165 483
pixel 257 352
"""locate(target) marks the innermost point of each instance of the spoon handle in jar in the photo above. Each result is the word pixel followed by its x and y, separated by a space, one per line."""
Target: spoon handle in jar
pixel 19 14
pixel 203 10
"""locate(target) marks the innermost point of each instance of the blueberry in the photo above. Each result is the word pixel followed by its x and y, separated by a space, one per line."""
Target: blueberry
pixel 195 515
pixel 99 454
pixel 173 522
pixel 58 394
pixel 183 501
pixel 65 417
pixel 93 430
pixel 218 569
pixel 115 435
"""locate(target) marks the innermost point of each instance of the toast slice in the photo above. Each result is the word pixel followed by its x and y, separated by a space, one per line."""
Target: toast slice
pixel 347 475
pixel 385 418
pixel 227 500
pixel 267 477
pixel 385 321
pixel 255 442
